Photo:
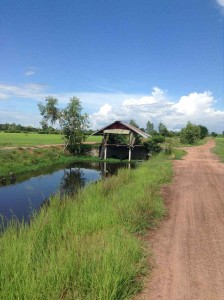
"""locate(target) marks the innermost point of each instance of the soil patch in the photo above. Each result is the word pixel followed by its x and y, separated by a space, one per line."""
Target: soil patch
pixel 188 248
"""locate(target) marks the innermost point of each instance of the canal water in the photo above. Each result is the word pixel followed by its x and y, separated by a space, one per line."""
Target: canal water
pixel 31 190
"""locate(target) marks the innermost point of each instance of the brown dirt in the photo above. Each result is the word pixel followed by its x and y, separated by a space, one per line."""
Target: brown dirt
pixel 188 248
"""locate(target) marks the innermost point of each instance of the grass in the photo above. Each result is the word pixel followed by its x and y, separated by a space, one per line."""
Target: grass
pixel 95 139
pixel 34 139
pixel 219 148
pixel 178 153
pixel 25 160
pixel 20 160
pixel 198 143
pixel 87 247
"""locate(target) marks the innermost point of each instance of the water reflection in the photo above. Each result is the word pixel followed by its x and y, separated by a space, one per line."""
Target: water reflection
pixel 31 190
pixel 72 181
pixel 108 169
pixel 23 197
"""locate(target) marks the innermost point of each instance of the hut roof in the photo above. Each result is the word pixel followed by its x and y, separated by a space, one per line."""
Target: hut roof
pixel 120 127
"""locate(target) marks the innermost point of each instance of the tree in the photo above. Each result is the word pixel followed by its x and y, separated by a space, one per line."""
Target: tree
pixel 214 134
pixel 72 122
pixel 50 112
pixel 133 123
pixel 203 131
pixel 190 134
pixel 44 125
pixel 163 129
pixel 150 128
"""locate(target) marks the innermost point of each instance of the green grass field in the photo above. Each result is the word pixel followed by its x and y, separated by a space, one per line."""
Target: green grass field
pixel 87 247
pixel 219 148
pixel 34 139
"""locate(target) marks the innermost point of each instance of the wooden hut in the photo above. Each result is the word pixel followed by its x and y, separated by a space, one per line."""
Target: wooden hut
pixel 119 128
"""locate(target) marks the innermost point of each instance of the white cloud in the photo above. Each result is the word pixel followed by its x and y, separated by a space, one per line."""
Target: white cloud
pixel 104 108
pixel 220 2
pixel 32 91
pixel 102 117
pixel 157 95
pixel 19 117
pixel 30 72
pixel 194 103
pixel 198 108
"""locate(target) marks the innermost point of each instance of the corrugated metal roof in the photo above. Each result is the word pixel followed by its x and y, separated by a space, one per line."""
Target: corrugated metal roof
pixel 127 126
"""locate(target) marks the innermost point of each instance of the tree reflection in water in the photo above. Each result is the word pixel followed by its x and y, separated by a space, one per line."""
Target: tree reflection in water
pixel 72 180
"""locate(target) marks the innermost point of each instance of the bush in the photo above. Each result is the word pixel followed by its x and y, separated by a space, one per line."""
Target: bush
pixel 190 134
pixel 153 144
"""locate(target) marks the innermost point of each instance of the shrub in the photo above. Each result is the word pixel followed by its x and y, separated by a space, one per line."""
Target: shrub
pixel 153 144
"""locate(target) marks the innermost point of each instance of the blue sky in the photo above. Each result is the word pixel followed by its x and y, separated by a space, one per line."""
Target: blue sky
pixel 149 60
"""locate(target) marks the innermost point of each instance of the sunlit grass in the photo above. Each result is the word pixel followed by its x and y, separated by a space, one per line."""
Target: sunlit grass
pixel 219 148
pixel 34 139
pixel 87 247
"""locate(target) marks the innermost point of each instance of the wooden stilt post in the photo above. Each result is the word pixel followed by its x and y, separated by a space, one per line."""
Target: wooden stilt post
pixel 105 146
pixel 105 152
pixel 129 154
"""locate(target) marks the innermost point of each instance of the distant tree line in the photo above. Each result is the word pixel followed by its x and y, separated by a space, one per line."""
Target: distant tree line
pixel 17 128
pixel 190 134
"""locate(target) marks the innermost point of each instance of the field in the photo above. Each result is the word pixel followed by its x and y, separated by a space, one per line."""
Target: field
pixel 34 139
pixel 219 148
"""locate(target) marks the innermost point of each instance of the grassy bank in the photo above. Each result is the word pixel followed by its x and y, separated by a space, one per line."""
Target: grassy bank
pixel 219 148
pixel 86 248
pixel 24 160
pixel 34 139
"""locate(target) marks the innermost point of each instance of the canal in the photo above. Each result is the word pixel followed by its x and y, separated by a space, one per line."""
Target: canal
pixel 21 198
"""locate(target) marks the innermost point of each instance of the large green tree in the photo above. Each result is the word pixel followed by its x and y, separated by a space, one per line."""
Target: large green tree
pixel 71 120
pixel 203 131
pixel 190 134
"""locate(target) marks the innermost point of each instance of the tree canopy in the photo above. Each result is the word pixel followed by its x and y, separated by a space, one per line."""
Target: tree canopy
pixel 163 129
pixel 71 120
pixel 150 128
pixel 190 134
pixel 133 123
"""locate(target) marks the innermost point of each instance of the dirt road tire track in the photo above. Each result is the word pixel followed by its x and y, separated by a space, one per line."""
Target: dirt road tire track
pixel 188 248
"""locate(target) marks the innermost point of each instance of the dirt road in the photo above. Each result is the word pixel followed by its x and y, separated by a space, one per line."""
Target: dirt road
pixel 188 248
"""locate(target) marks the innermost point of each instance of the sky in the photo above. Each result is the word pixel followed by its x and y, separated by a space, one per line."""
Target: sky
pixel 147 60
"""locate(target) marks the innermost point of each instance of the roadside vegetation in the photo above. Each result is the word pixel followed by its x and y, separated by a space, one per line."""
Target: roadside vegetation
pixel 219 148
pixel 87 247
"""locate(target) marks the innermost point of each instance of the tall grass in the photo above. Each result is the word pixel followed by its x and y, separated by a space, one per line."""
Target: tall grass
pixel 23 160
pixel 86 247
pixel 219 148
pixel 20 160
